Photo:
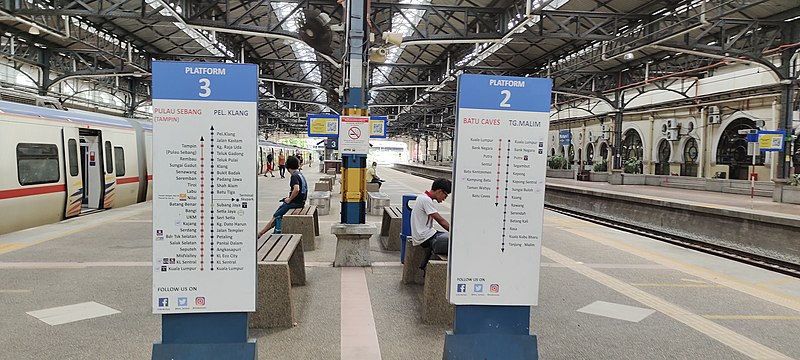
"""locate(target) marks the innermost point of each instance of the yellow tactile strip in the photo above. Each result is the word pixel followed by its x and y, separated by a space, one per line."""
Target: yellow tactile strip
pixel 709 328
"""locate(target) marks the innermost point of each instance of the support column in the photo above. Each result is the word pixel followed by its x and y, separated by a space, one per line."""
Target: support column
pixel 786 125
pixel 353 234
pixel 491 332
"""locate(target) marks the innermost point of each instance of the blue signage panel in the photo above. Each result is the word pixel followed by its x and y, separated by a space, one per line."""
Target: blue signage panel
pixel 504 93
pixel 205 81
pixel 564 137
pixel 323 125
pixel 377 127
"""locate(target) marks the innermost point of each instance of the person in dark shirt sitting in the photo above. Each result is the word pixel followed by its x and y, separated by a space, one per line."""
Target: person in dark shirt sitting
pixel 296 199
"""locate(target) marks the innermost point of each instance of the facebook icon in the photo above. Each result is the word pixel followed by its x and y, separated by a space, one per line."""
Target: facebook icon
pixel 461 288
pixel 163 302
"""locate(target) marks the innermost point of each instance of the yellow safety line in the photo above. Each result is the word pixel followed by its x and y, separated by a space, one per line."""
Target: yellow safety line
pixel 711 329
pixel 697 271
pixel 7 248
pixel 778 282
pixel 679 285
pixel 751 317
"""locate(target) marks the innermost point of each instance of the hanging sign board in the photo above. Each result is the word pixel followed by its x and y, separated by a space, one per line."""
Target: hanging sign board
pixel 354 135
pixel 377 127
pixel 323 125
pixel 771 140
pixel 564 137
pixel 204 190
pixel 500 160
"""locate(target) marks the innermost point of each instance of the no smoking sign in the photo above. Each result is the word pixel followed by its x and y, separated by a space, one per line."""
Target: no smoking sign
pixel 351 139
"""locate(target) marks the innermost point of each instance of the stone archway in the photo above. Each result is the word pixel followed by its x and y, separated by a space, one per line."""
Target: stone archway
pixel 664 154
pixel 632 147
pixel 690 155
pixel 590 154
pixel 732 149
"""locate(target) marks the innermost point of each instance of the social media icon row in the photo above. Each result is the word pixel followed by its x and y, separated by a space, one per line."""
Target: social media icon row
pixel 182 302
pixel 478 288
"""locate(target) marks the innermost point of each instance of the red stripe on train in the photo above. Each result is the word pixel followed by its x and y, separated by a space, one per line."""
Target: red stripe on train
pixel 128 180
pixel 39 190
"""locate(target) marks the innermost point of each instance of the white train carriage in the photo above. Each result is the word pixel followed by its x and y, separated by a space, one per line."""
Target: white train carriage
pixel 58 164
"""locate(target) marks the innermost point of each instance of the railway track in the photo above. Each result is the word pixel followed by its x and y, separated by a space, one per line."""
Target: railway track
pixel 760 261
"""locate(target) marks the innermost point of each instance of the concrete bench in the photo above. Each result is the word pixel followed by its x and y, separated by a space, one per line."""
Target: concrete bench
pixel 281 265
pixel 322 200
pixel 376 201
pixel 330 179
pixel 391 225
pixel 322 185
pixel 373 187
pixel 304 221
pixel 436 309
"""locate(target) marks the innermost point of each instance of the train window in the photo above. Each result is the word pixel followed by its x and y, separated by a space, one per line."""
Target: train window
pixel 119 155
pixel 73 157
pixel 109 162
pixel 37 164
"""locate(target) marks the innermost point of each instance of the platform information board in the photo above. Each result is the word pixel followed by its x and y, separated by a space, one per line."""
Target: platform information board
pixel 498 190
pixel 354 135
pixel 204 187
pixel 771 140
pixel 377 127
pixel 323 125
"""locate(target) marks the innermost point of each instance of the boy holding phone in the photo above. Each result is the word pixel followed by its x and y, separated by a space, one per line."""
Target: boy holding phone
pixel 296 199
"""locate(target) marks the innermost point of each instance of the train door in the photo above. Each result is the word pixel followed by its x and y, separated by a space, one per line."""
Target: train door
pixel 72 171
pixel 92 164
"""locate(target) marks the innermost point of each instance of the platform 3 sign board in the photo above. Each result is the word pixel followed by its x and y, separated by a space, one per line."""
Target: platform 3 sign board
pixel 498 190
pixel 204 187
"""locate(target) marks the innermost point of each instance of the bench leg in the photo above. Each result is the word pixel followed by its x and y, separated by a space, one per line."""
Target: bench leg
pixel 297 266
pixel 300 224
pixel 274 307
pixel 412 274
pixel 436 310
pixel 316 222
pixel 393 242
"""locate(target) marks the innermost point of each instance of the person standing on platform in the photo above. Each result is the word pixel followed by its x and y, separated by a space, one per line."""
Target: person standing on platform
pixel 423 215
pixel 282 163
pixel 299 157
pixel 270 164
pixel 372 175
pixel 296 199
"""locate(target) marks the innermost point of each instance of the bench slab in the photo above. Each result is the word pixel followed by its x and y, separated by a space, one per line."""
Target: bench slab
pixel 412 274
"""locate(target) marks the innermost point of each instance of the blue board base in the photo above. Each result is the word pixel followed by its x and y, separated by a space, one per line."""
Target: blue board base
pixel 490 347
pixel 205 351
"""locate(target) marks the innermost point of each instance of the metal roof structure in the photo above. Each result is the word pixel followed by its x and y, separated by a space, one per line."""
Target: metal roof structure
pixel 590 48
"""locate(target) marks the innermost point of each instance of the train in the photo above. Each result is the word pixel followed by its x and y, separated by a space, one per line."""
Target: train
pixel 57 164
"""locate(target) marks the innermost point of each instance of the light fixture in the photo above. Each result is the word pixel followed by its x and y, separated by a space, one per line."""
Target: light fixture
pixel 377 54
pixel 393 38
pixel 628 56
pixel 34 30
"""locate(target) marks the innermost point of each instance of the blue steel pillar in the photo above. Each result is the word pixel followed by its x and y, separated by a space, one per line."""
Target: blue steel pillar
pixel 354 166
pixel 491 333
pixel 204 337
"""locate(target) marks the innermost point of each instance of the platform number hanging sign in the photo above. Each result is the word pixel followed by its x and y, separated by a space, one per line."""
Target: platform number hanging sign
pixel 204 187
pixel 500 159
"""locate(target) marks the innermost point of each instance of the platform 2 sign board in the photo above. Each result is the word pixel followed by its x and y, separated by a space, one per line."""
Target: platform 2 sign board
pixel 204 187
pixel 498 190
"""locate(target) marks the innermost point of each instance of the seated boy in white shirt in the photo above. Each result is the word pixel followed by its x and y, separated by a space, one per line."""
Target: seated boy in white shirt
pixel 424 214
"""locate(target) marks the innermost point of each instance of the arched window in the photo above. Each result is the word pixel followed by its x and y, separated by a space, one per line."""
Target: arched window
pixel 571 153
pixel 732 149
pixel 664 153
pixel 690 155
pixel 604 151
pixel 632 148
pixel 590 154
